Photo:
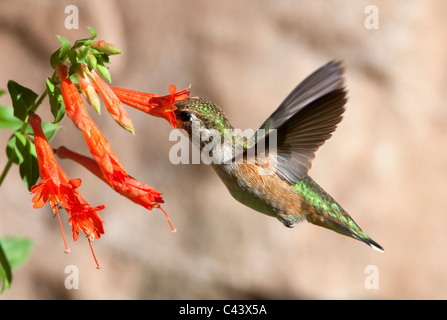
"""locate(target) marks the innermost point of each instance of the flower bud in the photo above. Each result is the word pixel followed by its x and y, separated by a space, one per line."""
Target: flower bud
pixel 91 61
pixel 103 46
pixel 88 90
pixel 113 104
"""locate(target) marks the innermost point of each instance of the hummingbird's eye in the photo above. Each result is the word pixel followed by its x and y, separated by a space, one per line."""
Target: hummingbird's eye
pixel 185 116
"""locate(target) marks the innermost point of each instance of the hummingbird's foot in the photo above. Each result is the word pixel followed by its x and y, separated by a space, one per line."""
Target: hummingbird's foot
pixel 289 220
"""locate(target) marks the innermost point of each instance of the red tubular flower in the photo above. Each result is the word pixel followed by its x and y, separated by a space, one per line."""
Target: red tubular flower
pixel 109 163
pixel 131 188
pixel 59 190
pixel 151 103
pixel 72 99
pixel 111 166
pixel 135 99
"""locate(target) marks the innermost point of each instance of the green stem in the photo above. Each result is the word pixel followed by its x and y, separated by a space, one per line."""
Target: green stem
pixel 38 103
pixel 5 171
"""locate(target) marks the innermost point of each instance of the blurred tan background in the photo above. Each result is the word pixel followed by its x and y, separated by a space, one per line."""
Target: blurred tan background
pixel 386 163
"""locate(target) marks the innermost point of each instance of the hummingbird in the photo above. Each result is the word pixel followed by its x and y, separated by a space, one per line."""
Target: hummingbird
pixel 300 125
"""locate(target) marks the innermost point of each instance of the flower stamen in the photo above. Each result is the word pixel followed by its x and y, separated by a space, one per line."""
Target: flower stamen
pixel 167 218
pixel 98 266
pixel 56 210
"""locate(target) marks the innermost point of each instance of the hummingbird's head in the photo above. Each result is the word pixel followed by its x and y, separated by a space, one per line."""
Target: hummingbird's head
pixel 201 114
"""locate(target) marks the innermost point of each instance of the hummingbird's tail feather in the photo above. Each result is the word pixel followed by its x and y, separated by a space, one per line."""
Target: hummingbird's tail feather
pixel 360 235
pixel 348 228
pixel 374 245
pixel 322 210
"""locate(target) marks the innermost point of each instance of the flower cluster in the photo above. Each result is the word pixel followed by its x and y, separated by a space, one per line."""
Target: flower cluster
pixel 61 191
pixel 57 189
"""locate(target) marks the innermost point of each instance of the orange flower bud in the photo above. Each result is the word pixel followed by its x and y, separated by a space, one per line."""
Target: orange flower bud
pixel 88 90
pixel 113 104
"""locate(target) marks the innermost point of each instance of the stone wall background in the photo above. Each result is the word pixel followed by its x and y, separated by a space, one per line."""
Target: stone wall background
pixel 386 163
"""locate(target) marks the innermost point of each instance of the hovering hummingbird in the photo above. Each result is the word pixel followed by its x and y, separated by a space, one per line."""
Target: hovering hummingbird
pixel 302 123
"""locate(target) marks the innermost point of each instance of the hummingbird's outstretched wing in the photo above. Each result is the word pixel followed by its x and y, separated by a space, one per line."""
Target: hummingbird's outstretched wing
pixel 305 120
pixel 324 80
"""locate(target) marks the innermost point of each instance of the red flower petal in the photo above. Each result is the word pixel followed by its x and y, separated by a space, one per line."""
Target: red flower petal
pixel 72 99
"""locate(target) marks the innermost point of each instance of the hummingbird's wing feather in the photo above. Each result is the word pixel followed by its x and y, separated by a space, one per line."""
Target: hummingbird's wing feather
pixel 324 80
pixel 300 137
pixel 304 121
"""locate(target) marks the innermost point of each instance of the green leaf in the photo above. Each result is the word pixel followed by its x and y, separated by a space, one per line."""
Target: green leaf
pixel 56 102
pixel 7 119
pixel 93 33
pixel 17 250
pixel 2 92
pixel 104 71
pixel 100 56
pixel 14 251
pixel 22 99
pixel 5 269
pixel 60 55
pixel 82 53
pixel 29 167
pixel 74 79
pixel 22 151
pixel 55 58
pixel 50 129
pixel 73 57
pixel 12 149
